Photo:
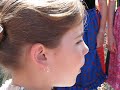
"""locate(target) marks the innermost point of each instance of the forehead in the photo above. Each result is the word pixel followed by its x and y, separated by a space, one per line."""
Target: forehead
pixel 77 29
pixel 73 33
pixel 69 38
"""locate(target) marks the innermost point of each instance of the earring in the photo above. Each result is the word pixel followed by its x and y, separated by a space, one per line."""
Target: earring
pixel 47 69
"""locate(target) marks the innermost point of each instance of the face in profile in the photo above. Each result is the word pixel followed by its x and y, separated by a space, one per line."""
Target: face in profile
pixel 68 58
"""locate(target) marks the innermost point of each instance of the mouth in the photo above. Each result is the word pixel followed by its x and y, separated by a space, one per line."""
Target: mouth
pixel 83 62
pixel 79 71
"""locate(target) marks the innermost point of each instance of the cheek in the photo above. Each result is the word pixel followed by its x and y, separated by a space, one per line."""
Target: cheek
pixel 71 56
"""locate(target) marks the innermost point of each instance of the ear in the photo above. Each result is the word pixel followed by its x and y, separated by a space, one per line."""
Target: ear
pixel 38 54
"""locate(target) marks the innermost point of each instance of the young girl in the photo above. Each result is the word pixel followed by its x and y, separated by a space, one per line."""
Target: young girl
pixel 38 41
pixel 92 74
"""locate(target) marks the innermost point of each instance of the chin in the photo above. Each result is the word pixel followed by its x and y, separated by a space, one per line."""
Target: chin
pixel 70 84
pixel 67 84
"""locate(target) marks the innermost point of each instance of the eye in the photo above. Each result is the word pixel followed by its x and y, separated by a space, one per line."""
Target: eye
pixel 79 41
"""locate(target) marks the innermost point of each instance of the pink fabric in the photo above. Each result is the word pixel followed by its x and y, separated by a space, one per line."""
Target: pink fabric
pixel 114 65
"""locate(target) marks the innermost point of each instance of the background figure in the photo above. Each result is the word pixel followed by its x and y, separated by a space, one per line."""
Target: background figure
pixel 92 74
pixel 114 45
pixel 38 40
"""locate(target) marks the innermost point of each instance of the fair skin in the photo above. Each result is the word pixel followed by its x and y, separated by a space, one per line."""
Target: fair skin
pixel 45 68
pixel 103 11
pixel 111 39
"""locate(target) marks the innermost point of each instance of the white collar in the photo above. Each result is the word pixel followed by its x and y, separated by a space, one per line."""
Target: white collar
pixel 8 86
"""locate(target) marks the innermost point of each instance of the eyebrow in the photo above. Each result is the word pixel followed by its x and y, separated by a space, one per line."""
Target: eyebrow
pixel 80 35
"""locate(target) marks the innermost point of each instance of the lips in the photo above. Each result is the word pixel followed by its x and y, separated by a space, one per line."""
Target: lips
pixel 81 65
pixel 80 71
pixel 83 62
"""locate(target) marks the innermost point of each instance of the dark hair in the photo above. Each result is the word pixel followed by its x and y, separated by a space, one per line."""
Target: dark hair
pixel 26 22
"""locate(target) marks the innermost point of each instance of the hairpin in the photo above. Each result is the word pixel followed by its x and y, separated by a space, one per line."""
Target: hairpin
pixel 1 29
pixel 81 0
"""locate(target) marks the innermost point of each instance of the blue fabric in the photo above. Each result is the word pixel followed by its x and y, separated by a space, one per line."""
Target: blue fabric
pixel 91 75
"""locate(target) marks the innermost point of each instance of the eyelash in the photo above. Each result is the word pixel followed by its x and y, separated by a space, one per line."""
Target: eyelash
pixel 79 41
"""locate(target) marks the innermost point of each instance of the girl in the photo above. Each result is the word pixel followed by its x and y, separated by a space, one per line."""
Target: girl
pixel 38 41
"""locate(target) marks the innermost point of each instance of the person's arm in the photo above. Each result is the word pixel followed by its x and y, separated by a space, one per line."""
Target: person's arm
pixel 111 12
pixel 103 11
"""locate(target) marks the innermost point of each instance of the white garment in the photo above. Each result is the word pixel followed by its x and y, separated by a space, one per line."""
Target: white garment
pixel 8 86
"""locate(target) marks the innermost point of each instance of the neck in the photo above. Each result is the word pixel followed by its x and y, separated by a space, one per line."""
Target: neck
pixel 25 80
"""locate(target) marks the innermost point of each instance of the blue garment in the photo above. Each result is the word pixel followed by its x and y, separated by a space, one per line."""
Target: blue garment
pixel 91 75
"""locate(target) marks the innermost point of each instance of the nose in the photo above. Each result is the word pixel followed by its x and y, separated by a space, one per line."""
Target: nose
pixel 86 49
